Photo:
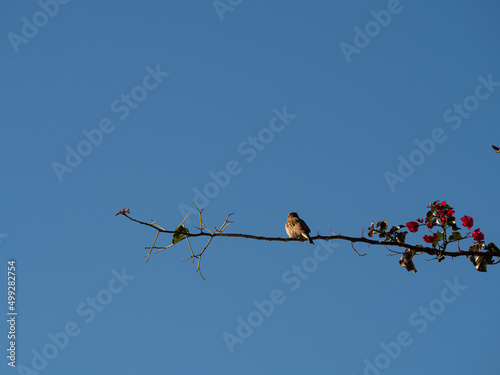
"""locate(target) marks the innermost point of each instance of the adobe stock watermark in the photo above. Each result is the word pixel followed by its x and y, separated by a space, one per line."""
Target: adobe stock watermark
pixel 292 279
pixel 419 321
pixel 363 37
pixel 122 108
pixel 249 148
pixel 223 6
pixel 87 310
pixel 30 26
pixel 454 116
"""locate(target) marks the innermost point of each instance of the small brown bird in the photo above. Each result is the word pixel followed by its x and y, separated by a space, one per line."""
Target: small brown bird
pixel 297 228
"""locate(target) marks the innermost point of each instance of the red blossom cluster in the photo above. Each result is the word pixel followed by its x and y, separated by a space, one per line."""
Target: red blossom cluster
pixel 467 222
pixel 430 239
pixel 440 213
pixel 441 217
pixel 477 235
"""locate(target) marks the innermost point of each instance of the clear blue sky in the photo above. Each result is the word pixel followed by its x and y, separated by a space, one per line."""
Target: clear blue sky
pixel 315 107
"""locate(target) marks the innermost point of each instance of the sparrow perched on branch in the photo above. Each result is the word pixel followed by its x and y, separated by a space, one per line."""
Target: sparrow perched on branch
pixel 297 228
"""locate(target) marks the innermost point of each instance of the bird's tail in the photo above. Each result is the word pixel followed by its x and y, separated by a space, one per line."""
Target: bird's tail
pixel 310 241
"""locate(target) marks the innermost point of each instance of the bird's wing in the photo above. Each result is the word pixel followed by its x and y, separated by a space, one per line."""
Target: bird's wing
pixel 304 226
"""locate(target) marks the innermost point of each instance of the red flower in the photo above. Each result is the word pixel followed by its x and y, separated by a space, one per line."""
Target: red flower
pixel 443 203
pixel 467 222
pixel 430 239
pixel 412 226
pixel 420 220
pixel 429 225
pixel 449 212
pixel 477 235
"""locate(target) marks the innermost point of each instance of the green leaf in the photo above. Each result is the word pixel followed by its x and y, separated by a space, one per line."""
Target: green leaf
pixel 473 248
pixel 400 237
pixel 382 225
pixel 407 262
pixel 437 239
pixel 395 229
pixel 492 247
pixel 455 236
pixel 452 223
pixel 429 216
pixel 180 233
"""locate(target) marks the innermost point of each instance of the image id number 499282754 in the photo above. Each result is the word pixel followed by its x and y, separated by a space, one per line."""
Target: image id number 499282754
pixel 11 315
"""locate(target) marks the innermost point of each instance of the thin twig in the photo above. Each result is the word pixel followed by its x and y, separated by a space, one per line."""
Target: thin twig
pixel 361 255
pixel 152 246
pixel 163 248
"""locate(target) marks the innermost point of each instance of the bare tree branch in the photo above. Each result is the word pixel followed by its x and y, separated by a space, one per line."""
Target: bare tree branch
pixel 427 250
pixel 441 215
